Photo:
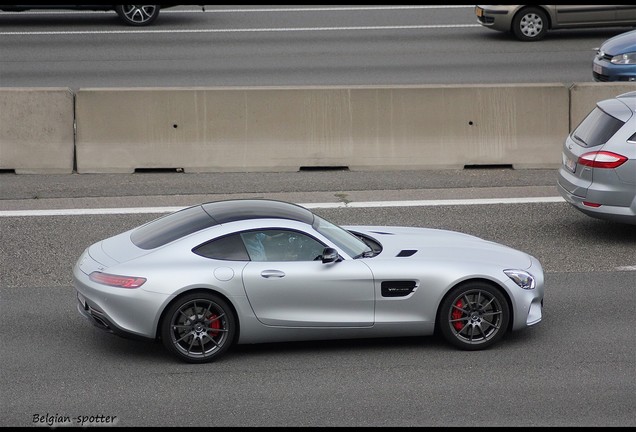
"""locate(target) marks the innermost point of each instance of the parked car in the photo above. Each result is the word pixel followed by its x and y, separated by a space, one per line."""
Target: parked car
pixel 615 60
pixel 252 271
pixel 532 22
pixel 134 15
pixel 598 174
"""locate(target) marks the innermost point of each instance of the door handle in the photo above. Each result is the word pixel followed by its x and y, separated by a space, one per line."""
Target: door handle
pixel 272 274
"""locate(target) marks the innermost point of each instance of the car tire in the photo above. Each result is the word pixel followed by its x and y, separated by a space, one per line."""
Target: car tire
pixel 530 24
pixel 138 15
pixel 473 316
pixel 198 327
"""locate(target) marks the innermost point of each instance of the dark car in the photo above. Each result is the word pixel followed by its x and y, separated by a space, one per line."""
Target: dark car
pixel 134 15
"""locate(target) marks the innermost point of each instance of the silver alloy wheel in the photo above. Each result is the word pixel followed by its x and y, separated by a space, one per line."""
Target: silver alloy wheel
pixel 531 25
pixel 138 14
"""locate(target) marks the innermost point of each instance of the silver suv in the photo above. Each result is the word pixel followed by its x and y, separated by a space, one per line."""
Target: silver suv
pixel 598 174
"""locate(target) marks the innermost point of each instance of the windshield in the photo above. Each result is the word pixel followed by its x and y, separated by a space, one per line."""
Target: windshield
pixel 352 245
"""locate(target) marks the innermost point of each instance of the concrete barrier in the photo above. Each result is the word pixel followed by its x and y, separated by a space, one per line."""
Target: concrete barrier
pixel 583 97
pixel 284 129
pixel 36 130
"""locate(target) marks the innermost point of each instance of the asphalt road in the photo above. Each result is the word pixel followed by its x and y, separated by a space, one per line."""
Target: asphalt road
pixel 283 46
pixel 576 368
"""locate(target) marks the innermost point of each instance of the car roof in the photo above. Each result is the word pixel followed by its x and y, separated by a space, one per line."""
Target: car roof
pixel 629 99
pixel 242 209
pixel 187 221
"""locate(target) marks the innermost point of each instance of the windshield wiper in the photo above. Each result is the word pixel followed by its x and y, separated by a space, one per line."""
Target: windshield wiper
pixel 365 254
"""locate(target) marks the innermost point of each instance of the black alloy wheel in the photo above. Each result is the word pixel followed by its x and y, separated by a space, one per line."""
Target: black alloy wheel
pixel 198 327
pixel 473 316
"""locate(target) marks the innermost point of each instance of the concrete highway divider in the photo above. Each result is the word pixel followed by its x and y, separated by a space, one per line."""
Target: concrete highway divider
pixel 583 97
pixel 36 130
pixel 241 129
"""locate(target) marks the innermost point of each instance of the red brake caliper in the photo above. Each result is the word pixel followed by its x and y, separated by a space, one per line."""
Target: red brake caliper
pixel 215 324
pixel 457 314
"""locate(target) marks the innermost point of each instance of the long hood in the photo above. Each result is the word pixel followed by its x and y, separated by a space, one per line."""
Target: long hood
pixel 436 244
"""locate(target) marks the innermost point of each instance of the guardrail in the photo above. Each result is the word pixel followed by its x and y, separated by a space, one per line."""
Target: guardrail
pixel 241 129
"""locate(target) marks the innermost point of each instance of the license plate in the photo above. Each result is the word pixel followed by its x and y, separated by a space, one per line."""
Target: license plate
pixel 598 69
pixel 569 163
pixel 479 12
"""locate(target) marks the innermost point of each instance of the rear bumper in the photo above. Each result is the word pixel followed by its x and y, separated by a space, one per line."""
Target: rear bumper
pixel 607 212
pixel 101 320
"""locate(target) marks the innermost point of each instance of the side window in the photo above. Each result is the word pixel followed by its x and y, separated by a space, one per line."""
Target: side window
pixel 229 248
pixel 281 245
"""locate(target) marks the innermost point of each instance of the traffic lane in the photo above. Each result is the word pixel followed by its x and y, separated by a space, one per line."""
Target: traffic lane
pixel 248 17
pixel 41 250
pixel 575 368
pixel 38 186
pixel 308 48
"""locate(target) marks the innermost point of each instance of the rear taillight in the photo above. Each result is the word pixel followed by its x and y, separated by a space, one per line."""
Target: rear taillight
pixel 602 159
pixel 117 280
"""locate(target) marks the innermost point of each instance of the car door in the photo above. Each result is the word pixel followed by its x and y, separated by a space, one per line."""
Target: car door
pixel 291 289
pixel 585 14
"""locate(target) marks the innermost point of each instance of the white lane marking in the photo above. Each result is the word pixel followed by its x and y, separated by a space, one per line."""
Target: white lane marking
pixel 626 268
pixel 244 30
pixel 288 9
pixel 361 204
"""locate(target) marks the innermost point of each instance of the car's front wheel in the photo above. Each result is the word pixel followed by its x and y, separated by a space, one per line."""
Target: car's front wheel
pixel 473 316
pixel 198 327
pixel 138 15
pixel 530 24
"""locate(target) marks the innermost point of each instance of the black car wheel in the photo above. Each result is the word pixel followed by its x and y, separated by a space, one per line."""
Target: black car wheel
pixel 198 327
pixel 530 24
pixel 473 316
pixel 138 15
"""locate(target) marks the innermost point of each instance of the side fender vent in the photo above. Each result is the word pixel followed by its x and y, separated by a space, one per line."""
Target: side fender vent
pixel 398 288
pixel 406 253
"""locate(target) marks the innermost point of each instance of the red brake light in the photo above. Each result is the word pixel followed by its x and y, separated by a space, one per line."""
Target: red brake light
pixel 602 159
pixel 117 280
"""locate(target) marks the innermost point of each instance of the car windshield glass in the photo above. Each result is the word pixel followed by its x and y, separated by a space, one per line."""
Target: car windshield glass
pixel 597 128
pixel 352 245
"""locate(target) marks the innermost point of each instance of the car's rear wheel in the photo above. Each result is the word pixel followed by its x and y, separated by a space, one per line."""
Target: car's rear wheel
pixel 198 327
pixel 138 15
pixel 473 316
pixel 530 24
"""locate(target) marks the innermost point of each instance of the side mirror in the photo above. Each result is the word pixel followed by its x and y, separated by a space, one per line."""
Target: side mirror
pixel 330 255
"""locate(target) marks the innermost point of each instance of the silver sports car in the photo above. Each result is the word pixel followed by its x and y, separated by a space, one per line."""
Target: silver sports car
pixel 251 271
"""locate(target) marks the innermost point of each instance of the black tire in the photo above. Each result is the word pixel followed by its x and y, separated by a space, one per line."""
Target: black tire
pixel 530 24
pixel 198 327
pixel 473 316
pixel 138 15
